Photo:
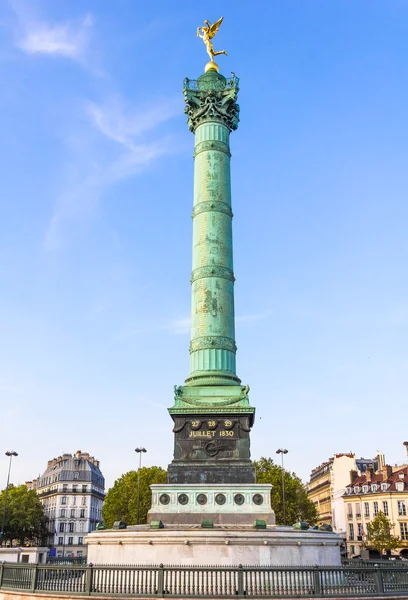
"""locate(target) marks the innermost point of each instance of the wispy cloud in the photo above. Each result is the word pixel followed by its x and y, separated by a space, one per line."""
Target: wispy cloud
pixel 179 326
pixel 112 148
pixel 68 39
pixel 254 318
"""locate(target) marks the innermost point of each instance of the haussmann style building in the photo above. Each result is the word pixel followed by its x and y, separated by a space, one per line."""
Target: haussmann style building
pixel 72 491
pixel 327 486
pixel 384 489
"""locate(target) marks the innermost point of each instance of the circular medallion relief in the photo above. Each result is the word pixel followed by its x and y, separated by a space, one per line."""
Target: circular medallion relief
pixel 257 499
pixel 220 499
pixel 239 499
pixel 228 424
pixel 211 424
pixel 164 499
pixel 182 499
pixel 202 499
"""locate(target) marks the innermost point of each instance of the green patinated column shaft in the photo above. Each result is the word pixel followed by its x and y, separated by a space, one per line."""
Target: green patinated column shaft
pixel 212 386
pixel 212 347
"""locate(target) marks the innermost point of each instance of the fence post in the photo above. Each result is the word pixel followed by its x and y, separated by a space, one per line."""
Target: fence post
pixel 88 580
pixel 1 573
pixel 160 581
pixel 378 580
pixel 240 581
pixel 34 574
pixel 317 589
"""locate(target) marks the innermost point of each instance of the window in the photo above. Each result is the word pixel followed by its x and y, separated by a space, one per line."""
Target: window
pixel 358 509
pixel 63 500
pixel 71 527
pixel 356 489
pixel 351 531
pixel 65 487
pixel 400 486
pixel 73 512
pixel 84 488
pixel 74 500
pixel 375 504
pixel 352 549
pixel 80 540
pixel 374 487
pixel 70 541
pixel 365 489
pixel 81 526
pixel 76 475
pixel 350 511
pixel 61 527
pixel 404 531
pixel 366 509
pixel 60 541
pixel 360 531
pixel 84 500
pixel 75 488
pixel 385 508
pixel 402 510
pixel 82 515
pixel 384 487
pixel 63 511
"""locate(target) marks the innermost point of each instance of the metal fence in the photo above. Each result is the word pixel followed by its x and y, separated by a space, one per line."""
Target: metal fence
pixel 211 582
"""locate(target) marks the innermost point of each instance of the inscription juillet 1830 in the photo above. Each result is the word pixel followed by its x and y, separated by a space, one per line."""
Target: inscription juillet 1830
pixel 209 429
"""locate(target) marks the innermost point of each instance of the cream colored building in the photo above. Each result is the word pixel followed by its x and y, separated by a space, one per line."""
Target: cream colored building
pixel 327 486
pixel 72 491
pixel 385 490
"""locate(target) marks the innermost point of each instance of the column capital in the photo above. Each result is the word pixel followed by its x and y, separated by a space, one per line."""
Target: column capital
pixel 211 98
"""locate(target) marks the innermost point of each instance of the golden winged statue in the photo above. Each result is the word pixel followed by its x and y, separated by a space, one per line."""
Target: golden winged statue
pixel 206 33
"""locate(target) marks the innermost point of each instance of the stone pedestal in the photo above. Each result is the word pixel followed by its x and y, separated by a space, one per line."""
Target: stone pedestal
pixel 222 546
pixel 223 504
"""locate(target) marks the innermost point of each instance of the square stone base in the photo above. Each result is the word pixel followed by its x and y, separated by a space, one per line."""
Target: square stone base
pixel 232 504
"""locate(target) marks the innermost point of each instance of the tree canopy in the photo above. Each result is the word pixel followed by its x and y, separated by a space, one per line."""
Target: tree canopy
pixel 121 500
pixel 25 518
pixel 379 534
pixel 297 504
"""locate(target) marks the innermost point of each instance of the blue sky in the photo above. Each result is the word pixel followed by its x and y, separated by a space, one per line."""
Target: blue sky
pixel 95 228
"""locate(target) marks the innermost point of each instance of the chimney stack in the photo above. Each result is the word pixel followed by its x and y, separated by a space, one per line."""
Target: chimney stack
pixel 406 447
pixel 353 476
pixel 369 474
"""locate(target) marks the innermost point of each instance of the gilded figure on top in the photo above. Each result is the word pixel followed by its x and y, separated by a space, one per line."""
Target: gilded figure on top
pixel 206 33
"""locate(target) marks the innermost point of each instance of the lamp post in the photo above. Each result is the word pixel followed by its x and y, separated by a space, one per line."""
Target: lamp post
pixel 283 451
pixel 139 451
pixel 9 453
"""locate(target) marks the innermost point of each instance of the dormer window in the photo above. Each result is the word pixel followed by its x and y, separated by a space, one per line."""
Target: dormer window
pixel 365 489
pixel 384 487
pixel 348 490
pixel 374 487
pixel 400 486
pixel 356 489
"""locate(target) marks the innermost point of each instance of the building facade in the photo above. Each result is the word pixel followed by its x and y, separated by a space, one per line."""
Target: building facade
pixel 72 491
pixel 382 490
pixel 327 486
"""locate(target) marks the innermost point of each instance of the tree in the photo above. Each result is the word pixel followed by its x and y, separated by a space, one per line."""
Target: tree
pixel 297 504
pixel 25 518
pixel 379 534
pixel 121 500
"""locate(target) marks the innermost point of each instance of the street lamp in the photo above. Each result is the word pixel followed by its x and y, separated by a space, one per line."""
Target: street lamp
pixel 9 453
pixel 283 451
pixel 139 451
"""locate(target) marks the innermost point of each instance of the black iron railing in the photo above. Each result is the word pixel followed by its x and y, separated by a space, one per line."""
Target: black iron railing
pixel 210 582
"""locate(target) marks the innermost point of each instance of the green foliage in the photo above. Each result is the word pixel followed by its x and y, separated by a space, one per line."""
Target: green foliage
pixel 379 534
pixel 25 518
pixel 297 504
pixel 121 500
